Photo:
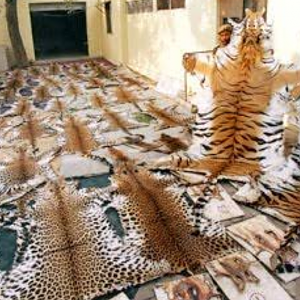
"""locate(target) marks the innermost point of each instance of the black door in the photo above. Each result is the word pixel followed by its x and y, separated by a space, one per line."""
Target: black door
pixel 59 33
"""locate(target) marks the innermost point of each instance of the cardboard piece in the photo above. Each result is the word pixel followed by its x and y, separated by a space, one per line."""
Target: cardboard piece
pixel 73 165
pixel 220 209
pixel 266 289
pixel 200 286
pixel 261 224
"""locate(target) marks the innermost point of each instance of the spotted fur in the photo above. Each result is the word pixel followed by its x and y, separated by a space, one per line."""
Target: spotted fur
pixel 162 219
pixel 73 253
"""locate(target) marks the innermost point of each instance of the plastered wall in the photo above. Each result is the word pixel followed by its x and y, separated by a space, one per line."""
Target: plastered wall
pixel 157 40
pixel 284 16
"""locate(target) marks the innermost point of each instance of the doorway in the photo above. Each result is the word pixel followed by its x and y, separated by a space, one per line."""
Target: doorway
pixel 59 31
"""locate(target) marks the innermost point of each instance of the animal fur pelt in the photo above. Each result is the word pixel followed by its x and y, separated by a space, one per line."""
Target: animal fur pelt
pixel 98 101
pixel 58 106
pixel 111 117
pixel 152 206
pixel 15 83
pixel 54 69
pixel 19 170
pixel 103 72
pixel 35 72
pixel 131 81
pixel 51 82
pixel 74 252
pixel 125 96
pixel 235 123
pixel 76 76
pixel 172 143
pixel 170 119
pixel 278 188
pixel 31 130
pixel 22 108
pixel 119 156
pixel 95 83
pixel 8 95
pixel 78 136
pixel 42 93
pixel 115 120
pixel 74 91
pixel 76 68
pixel 18 73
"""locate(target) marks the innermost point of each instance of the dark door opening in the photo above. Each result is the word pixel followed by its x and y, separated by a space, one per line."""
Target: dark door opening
pixel 59 33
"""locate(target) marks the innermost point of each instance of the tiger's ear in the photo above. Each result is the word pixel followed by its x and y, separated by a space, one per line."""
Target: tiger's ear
pixel 248 12
pixel 262 12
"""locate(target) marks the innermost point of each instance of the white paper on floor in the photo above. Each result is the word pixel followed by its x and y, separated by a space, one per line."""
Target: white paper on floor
pixel 260 225
pixel 220 209
pixel 267 288
pixel 74 165
pixel 120 296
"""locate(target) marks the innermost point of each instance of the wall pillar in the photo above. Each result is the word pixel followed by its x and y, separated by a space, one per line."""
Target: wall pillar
pixel 124 32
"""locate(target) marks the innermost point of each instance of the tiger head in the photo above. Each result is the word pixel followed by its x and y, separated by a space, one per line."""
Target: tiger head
pixel 250 49
pixel 253 23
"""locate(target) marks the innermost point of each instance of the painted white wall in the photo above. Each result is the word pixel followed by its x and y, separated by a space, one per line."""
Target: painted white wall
pixel 115 43
pixel 157 40
pixel 284 15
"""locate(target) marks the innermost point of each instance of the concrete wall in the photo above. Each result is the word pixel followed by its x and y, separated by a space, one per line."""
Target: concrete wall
pixel 286 28
pixel 93 26
pixel 157 40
